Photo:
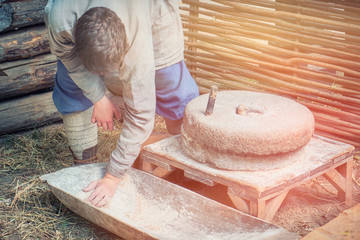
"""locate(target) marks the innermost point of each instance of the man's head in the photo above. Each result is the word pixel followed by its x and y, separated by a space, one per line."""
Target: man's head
pixel 100 40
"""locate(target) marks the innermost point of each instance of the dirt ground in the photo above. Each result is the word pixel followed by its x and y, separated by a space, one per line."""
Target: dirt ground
pixel 28 209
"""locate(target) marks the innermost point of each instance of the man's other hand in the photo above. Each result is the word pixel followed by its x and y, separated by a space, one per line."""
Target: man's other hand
pixel 104 112
pixel 104 190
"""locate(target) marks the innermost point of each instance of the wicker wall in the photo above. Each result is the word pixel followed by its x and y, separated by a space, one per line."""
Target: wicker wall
pixel 303 49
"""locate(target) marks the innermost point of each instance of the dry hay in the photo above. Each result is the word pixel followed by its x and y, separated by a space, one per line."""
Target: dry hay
pixel 28 209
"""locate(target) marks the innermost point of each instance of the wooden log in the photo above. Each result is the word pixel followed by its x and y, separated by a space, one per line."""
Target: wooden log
pixel 21 13
pixel 26 76
pixel 24 43
pixel 27 113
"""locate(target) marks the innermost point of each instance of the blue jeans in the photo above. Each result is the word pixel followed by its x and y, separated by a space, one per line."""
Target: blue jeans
pixel 174 89
pixel 67 96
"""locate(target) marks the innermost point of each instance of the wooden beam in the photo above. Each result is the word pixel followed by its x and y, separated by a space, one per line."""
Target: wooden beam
pixel 160 172
pixel 239 202
pixel 22 44
pixel 341 179
pixel 26 76
pixel 198 178
pixel 273 205
pixel 27 113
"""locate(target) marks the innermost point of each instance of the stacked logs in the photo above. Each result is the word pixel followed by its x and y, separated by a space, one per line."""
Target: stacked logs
pixel 307 50
pixel 27 68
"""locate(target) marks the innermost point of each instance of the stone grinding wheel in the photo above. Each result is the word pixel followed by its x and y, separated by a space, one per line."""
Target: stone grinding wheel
pixel 246 130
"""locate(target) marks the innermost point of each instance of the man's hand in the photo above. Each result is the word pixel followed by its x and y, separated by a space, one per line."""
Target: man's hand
pixel 104 190
pixel 104 111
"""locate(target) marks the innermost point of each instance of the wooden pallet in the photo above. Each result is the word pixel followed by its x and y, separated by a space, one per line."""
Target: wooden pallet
pixel 259 193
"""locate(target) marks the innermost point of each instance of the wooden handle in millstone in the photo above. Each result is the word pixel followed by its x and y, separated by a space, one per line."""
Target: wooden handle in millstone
pixel 211 101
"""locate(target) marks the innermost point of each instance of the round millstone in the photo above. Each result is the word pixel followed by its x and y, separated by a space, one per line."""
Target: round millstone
pixel 245 127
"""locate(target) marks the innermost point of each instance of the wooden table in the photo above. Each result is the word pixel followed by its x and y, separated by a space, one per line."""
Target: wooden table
pixel 259 193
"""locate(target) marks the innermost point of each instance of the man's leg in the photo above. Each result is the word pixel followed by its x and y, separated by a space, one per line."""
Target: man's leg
pixel 173 126
pixel 174 89
pixel 81 135
pixel 76 110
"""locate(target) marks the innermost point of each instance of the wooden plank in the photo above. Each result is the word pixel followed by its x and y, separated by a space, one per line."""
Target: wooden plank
pixel 158 163
pixel 341 179
pixel 198 178
pixel 322 168
pixel 347 195
pixel 240 203
pixel 25 76
pixel 314 174
pixel 253 185
pixel 342 157
pixel 156 170
pixel 243 192
pixel 147 166
pixel 273 205
pixel 21 13
pixel 257 208
pixel 161 172
pixel 335 178
pixel 344 227
pixel 27 113
pixel 248 190
pixel 24 43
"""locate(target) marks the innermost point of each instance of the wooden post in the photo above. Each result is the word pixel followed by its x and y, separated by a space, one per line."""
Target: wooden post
pixel 341 179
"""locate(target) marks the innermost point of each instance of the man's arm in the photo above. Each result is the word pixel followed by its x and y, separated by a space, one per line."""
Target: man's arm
pixel 138 81
pixel 140 100
pixel 91 84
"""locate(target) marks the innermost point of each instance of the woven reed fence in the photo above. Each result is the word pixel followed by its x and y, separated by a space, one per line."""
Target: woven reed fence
pixel 303 49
